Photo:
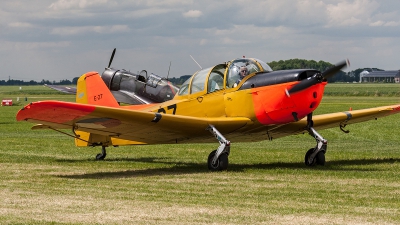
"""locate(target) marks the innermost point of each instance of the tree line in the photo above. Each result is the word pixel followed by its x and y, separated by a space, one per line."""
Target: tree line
pixel 351 76
pixel 11 82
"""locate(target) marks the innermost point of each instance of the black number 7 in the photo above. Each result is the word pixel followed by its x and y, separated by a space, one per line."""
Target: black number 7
pixel 172 107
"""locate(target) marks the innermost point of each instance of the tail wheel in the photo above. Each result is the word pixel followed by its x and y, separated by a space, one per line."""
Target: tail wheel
pixel 103 153
pixel 100 156
pixel 220 164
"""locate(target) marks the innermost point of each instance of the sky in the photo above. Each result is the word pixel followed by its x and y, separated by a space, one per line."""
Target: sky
pixel 63 39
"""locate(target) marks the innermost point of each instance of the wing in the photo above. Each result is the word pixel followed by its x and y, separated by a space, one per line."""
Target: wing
pixel 339 119
pixel 127 124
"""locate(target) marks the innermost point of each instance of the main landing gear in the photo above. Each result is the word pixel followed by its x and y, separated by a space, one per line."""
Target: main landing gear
pixel 315 155
pixel 218 159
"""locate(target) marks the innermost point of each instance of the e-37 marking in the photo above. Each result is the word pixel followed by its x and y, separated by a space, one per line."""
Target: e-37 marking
pixel 98 97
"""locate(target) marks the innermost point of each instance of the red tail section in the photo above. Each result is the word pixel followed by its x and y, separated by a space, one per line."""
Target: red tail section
pixel 91 89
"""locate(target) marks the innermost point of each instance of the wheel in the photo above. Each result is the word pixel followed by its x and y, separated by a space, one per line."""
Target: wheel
pixel 320 158
pixel 307 156
pixel 103 153
pixel 220 164
pixel 100 156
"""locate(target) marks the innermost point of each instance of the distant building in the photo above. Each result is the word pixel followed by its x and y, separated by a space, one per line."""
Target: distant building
pixel 388 76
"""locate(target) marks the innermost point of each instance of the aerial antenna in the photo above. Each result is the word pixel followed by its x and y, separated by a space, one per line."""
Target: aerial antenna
pixel 196 62
pixel 169 69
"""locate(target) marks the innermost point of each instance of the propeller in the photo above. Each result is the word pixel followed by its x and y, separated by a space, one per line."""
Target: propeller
pixel 112 57
pixel 318 77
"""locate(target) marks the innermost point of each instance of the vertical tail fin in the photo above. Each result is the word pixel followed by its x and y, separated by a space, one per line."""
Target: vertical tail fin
pixel 91 89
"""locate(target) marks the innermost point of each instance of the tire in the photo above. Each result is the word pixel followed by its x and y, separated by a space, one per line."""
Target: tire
pixel 220 164
pixel 320 157
pixel 308 154
pixel 100 157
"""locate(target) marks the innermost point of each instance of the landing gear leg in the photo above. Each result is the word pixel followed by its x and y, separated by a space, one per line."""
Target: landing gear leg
pixel 218 159
pixel 315 155
pixel 103 153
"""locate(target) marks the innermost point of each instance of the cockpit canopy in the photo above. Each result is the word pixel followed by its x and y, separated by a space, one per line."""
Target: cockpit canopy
pixel 221 76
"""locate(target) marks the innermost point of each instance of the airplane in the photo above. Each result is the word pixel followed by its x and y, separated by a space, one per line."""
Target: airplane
pixel 211 104
pixel 130 88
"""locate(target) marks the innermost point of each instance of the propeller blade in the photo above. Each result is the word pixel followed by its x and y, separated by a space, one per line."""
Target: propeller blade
pixel 112 57
pixel 317 78
pixel 304 84
pixel 333 70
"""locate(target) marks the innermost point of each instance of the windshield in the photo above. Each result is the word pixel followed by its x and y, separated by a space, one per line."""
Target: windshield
pixel 265 66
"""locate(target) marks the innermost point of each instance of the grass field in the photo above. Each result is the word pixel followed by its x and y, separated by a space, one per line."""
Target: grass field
pixel 45 179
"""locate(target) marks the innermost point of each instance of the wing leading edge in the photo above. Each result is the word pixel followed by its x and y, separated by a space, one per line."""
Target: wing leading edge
pixel 338 119
pixel 154 128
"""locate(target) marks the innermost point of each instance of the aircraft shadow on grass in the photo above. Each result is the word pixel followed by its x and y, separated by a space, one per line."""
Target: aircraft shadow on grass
pixel 192 168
